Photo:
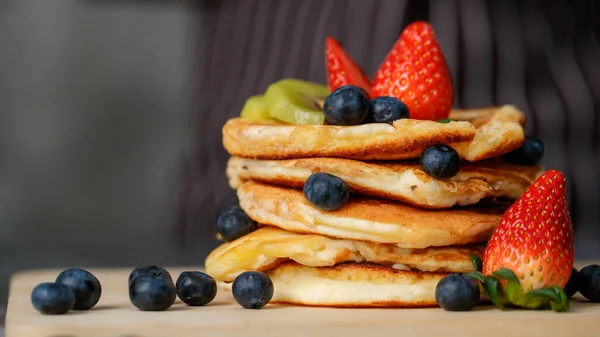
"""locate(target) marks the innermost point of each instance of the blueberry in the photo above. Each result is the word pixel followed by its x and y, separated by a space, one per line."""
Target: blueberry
pixel 325 191
pixel 385 109
pixel 440 161
pixel 52 298
pixel 530 153
pixel 195 288
pixel 457 292
pixel 572 285
pixel 252 289
pixel 149 292
pixel 234 223
pixel 347 105
pixel 589 282
pixel 85 286
pixel 153 271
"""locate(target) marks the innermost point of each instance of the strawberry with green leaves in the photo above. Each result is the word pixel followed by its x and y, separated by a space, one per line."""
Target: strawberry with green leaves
pixel 341 68
pixel 415 72
pixel 529 258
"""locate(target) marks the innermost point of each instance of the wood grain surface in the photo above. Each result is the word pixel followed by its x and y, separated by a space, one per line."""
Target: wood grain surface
pixel 115 316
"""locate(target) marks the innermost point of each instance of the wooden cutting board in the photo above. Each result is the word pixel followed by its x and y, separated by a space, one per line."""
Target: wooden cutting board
pixel 115 316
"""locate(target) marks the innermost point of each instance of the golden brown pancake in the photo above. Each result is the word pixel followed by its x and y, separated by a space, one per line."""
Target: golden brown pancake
pixel 269 246
pixel 351 285
pixel 401 181
pixel 369 219
pixel 499 130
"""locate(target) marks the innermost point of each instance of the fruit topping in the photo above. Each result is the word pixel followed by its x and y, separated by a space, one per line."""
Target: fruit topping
pixel 341 68
pixel 85 286
pixel 348 105
pixel 153 271
pixel 572 285
pixel 234 223
pixel 386 109
pixel 252 289
pixel 296 102
pixel 589 282
pixel 152 291
pixel 415 72
pixel 326 191
pixel 457 292
pixel 529 258
pixel 195 288
pixel 440 161
pixel 530 153
pixel 255 109
pixel 52 298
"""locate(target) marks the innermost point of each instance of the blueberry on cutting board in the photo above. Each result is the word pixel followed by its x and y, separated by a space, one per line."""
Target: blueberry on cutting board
pixel 52 298
pixel 457 292
pixel 195 288
pixel 152 292
pixel 252 289
pixel 85 286
pixel 589 282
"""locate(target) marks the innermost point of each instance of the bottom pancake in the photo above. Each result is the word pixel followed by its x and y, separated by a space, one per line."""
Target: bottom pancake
pixel 352 285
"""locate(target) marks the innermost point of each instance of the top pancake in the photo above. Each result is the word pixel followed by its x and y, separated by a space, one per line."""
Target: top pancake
pixel 476 135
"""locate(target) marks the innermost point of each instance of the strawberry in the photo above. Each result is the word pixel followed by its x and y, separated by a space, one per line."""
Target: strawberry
pixel 529 258
pixel 415 72
pixel 341 69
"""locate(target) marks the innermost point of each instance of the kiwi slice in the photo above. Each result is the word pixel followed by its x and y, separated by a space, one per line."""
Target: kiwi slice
pixel 296 101
pixel 255 109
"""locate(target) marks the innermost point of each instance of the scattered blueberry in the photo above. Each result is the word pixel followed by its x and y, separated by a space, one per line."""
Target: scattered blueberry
pixel 440 161
pixel 153 271
pixel 195 288
pixel 149 292
pixel 457 292
pixel 347 105
pixel 85 286
pixel 234 223
pixel 326 191
pixel 252 289
pixel 572 285
pixel 589 282
pixel 52 298
pixel 530 153
pixel 385 109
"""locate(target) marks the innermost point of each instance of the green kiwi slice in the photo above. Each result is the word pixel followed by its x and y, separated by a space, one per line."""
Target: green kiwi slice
pixel 296 101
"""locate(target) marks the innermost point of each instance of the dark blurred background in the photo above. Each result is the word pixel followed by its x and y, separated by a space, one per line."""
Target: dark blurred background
pixel 110 111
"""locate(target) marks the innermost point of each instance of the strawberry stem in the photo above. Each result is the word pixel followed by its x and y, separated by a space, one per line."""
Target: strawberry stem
pixel 476 261
pixel 551 297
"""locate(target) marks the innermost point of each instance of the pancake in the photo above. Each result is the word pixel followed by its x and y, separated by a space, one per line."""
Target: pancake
pixel 489 132
pixel 351 285
pixel 370 219
pixel 401 181
pixel 268 247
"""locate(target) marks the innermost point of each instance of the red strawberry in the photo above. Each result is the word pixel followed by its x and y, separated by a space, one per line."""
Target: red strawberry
pixel 531 250
pixel 341 69
pixel 415 72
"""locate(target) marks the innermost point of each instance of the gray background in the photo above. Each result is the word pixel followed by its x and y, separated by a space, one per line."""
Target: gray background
pixel 94 106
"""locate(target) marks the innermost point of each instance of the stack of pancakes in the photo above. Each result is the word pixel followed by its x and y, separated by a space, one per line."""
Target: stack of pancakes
pixel 401 231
